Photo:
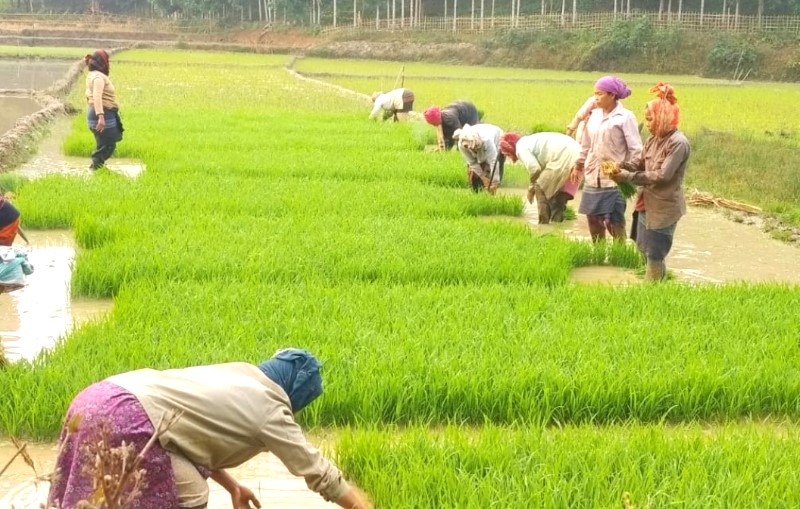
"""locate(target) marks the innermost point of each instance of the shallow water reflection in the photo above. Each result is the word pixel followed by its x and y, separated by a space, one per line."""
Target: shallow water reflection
pixel 31 74
pixel 35 317
pixel 14 108
pixel 274 486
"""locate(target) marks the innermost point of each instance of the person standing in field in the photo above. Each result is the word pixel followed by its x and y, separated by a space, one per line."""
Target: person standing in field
pixel 577 126
pixel 548 157
pixel 396 104
pixel 480 146
pixel 102 115
pixel 660 202
pixel 612 134
pixel 448 119
pixel 231 413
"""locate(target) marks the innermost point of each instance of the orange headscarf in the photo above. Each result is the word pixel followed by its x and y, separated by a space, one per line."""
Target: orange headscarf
pixel 508 145
pixel 664 109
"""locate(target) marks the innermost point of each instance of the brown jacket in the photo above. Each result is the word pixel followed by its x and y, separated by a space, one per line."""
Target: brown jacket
pixel 660 173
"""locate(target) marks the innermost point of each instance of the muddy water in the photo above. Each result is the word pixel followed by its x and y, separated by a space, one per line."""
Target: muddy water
pixel 49 159
pixel 31 74
pixel 708 248
pixel 36 316
pixel 274 486
pixel 13 108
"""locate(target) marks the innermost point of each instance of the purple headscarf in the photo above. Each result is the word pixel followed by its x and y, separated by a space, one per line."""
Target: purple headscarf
pixel 613 85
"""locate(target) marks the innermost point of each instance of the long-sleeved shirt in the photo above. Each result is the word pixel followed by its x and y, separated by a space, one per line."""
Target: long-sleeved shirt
pixel 231 412
pixel 548 157
pixel 390 101
pixel 100 92
pixel 661 173
pixel 454 116
pixel 613 137
pixel 483 160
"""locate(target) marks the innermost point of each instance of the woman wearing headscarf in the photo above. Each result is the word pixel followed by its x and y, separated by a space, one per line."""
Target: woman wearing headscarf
pixel 231 413
pixel 398 101
pixel 660 203
pixel 612 134
pixel 102 115
pixel 548 157
pixel 479 145
pixel 448 119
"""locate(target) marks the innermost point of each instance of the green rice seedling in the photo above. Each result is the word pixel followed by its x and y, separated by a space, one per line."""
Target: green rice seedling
pixel 747 464
pixel 43 52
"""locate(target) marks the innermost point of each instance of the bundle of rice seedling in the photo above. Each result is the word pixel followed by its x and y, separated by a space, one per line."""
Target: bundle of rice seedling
pixel 611 168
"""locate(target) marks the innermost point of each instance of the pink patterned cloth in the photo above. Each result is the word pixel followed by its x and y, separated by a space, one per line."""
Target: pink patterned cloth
pixel 127 421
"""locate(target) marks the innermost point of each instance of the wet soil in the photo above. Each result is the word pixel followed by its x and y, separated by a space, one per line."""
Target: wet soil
pixel 708 248
pixel 274 486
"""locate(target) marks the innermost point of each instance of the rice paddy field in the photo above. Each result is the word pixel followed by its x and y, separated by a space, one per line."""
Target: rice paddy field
pixel 462 367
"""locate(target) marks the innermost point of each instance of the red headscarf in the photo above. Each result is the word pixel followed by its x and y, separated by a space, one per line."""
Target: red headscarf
pixel 664 109
pixel 508 145
pixel 433 115
pixel 98 61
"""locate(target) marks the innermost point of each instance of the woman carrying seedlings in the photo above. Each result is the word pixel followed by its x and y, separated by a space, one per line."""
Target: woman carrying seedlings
pixel 548 157
pixel 660 202
pixel 448 119
pixel 479 145
pixel 231 413
pixel 612 134
pixel 398 101
pixel 102 115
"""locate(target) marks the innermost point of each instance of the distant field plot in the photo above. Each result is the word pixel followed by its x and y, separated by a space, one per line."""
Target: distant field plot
pixel 200 57
pixel 43 52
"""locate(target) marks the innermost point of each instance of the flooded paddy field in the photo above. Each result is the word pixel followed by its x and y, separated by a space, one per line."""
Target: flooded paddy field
pixel 14 108
pixel 31 74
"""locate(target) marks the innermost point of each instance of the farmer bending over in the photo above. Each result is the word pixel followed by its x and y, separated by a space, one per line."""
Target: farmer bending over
pixel 398 101
pixel 548 157
pixel 448 119
pixel 9 222
pixel 231 413
pixel 479 144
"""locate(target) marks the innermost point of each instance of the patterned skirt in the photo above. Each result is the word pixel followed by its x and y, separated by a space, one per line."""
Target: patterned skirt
pixel 126 420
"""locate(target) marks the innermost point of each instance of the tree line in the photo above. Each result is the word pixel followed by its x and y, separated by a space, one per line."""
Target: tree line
pixel 327 12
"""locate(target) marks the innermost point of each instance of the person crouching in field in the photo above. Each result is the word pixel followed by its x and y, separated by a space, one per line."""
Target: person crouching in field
pixel 660 202
pixel 231 413
pixel 448 119
pixel 548 157
pixel 102 115
pixel 396 104
pixel 9 222
pixel 479 145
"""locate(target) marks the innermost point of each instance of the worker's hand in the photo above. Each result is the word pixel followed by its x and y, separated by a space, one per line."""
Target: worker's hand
pixel 531 194
pixel 570 130
pixel 492 189
pixel 486 182
pixel 576 174
pixel 101 124
pixel 621 176
pixel 242 497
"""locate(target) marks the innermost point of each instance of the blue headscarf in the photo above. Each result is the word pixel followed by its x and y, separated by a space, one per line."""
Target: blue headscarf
pixel 297 372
